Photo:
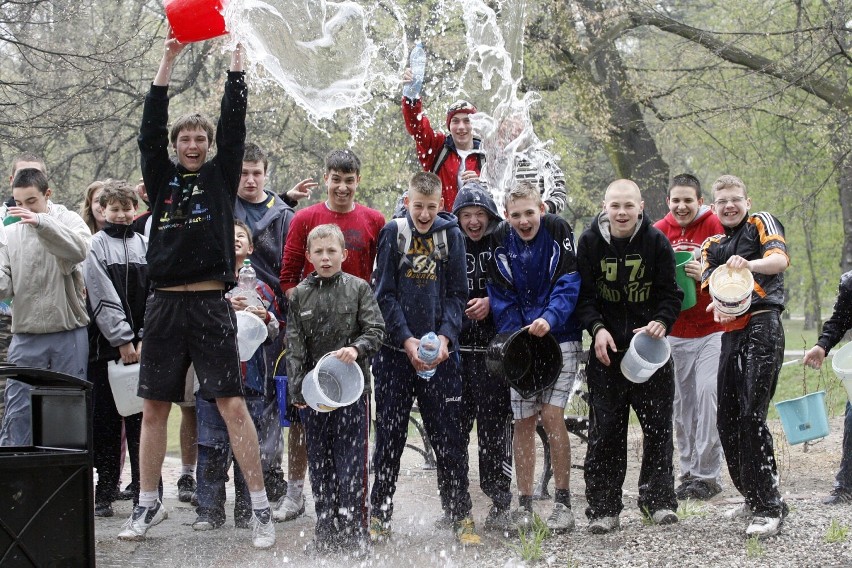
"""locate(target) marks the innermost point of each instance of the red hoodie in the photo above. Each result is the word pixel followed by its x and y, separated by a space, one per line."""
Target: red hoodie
pixel 696 321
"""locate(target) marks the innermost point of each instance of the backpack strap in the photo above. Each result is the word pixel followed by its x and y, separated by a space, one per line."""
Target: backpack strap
pixel 403 238
pixel 439 161
pixel 440 241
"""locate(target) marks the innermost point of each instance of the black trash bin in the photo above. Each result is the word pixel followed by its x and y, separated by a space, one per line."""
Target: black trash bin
pixel 47 513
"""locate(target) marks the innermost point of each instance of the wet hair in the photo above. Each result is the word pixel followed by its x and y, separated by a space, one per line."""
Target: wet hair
pixel 86 208
pixel 244 227
pixel 191 122
pixel 27 157
pixel 117 190
pixel 343 161
pixel 425 183
pixel 324 232
pixel 255 153
pixel 523 190
pixel 728 181
pixel 31 177
pixel 686 180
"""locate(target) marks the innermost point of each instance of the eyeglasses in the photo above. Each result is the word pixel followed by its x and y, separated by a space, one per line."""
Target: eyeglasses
pixel 732 201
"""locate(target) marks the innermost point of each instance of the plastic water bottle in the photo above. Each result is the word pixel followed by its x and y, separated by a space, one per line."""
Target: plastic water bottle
pixel 430 345
pixel 247 283
pixel 417 62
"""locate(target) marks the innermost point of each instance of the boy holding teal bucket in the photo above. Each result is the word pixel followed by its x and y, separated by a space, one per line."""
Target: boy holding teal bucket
pixel 833 331
pixel 696 341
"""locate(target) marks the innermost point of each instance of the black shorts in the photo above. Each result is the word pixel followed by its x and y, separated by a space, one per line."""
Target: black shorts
pixel 189 327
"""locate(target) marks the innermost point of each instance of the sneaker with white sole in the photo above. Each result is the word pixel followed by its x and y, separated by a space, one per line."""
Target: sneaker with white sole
pixel 186 488
pixel 499 519
pixel 288 508
pixel 561 519
pixel 262 528
pixel 522 518
pixel 465 530
pixel 664 517
pixel 142 519
pixel 762 527
pixel 740 512
pixel 603 525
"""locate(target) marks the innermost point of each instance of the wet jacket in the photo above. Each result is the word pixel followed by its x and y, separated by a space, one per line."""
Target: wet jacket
pixel 623 291
pixel 840 321
pixel 429 144
pixel 192 230
pixel 268 237
pixel 421 294
pixel 758 236
pixel 41 270
pixel 324 315
pixel 536 279
pixel 477 257
pixel 117 288
pixel 696 321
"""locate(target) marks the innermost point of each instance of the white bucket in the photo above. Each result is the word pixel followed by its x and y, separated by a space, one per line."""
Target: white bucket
pixel 731 290
pixel 124 383
pixel 841 363
pixel 332 384
pixel 251 332
pixel 645 356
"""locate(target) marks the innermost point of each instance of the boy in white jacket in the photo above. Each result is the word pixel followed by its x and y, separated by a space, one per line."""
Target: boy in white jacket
pixel 40 270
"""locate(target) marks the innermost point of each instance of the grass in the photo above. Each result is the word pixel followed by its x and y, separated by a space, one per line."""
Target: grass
pixel 836 532
pixel 690 508
pixel 754 549
pixel 531 540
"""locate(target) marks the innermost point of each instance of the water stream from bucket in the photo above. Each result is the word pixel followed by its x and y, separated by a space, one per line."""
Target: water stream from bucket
pixel 347 57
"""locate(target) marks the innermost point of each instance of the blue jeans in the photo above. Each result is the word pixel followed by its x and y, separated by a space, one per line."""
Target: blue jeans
pixel 844 475
pixel 214 459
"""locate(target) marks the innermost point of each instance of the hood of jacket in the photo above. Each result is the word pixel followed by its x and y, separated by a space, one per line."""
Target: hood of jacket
pixel 603 226
pixel 475 193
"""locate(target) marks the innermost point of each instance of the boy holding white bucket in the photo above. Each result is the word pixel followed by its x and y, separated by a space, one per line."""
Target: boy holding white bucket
pixel 332 312
pixel 752 351
pixel 533 282
pixel 214 444
pixel 628 286
pixel 833 331
pixel 116 275
pixel 696 341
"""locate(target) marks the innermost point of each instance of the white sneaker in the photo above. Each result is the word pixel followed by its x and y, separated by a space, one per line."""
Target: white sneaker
pixel 603 525
pixel 561 519
pixel 664 517
pixel 262 532
pixel 740 512
pixel 142 519
pixel 288 509
pixel 522 518
pixel 762 527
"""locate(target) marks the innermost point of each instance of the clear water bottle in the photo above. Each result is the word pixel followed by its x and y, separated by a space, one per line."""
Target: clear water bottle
pixel 430 345
pixel 247 283
pixel 417 62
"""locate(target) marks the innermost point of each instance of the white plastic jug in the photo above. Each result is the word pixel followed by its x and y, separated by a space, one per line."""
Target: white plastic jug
pixel 645 356
pixel 841 363
pixel 332 384
pixel 124 383
pixel 251 332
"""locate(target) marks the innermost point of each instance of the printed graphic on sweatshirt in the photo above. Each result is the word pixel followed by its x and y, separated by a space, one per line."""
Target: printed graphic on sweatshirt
pixel 476 268
pixel 624 282
pixel 185 205
pixel 423 263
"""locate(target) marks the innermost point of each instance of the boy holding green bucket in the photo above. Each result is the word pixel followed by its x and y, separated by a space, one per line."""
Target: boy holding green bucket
pixel 696 341
pixel 334 312
pixel 833 331
pixel 752 351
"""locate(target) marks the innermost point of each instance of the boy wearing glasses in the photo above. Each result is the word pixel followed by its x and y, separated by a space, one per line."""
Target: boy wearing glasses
pixel 752 351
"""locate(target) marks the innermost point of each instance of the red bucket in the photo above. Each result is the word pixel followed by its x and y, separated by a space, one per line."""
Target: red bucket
pixel 195 20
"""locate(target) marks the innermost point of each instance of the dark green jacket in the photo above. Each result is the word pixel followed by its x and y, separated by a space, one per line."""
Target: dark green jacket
pixel 326 314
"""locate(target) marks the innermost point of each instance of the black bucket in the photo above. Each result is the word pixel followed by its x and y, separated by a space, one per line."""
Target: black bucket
pixel 528 363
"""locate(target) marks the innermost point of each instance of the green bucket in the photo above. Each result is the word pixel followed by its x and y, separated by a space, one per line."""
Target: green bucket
pixel 684 282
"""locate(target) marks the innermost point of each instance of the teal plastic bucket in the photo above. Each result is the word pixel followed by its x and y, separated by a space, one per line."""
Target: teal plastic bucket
pixel 804 418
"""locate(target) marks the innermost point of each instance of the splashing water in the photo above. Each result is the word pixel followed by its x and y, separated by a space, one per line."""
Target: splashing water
pixel 327 56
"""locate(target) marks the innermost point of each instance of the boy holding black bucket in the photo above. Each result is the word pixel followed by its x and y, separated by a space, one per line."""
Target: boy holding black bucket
pixel 533 283
pixel 485 397
pixel 628 287
pixel 752 351
pixel 696 341
pixel 331 312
